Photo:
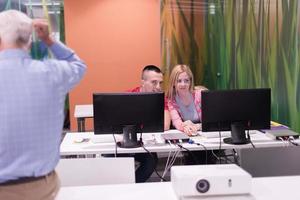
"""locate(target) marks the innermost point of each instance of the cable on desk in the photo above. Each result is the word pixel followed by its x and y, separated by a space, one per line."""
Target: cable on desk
pixel 199 144
pixel 283 141
pixel 141 135
pixel 217 157
pixel 249 138
pixel 292 141
pixel 169 162
pixel 234 155
pixel 116 146
pixel 248 134
pixel 220 142
pixel 142 145
pixel 288 140
pixel 196 161
pixel 155 170
pixel 228 160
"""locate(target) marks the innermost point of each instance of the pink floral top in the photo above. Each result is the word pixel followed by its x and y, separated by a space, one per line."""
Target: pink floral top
pixel 175 112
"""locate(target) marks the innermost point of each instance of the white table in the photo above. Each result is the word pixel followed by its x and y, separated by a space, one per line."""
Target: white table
pixel 271 188
pixel 71 146
pixel 81 112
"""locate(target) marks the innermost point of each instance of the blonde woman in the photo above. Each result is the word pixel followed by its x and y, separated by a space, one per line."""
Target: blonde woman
pixel 184 102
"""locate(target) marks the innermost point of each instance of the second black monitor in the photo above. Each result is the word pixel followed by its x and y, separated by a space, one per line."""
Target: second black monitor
pixel 224 110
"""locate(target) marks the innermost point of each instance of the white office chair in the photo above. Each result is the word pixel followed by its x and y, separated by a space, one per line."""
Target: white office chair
pixel 95 171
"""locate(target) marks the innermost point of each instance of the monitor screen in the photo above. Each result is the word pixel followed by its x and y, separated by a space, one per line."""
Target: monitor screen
pixel 224 110
pixel 128 112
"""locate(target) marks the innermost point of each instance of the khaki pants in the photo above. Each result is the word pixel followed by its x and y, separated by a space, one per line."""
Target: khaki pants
pixel 42 189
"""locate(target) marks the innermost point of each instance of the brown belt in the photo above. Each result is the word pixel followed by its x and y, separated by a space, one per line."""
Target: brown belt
pixel 24 180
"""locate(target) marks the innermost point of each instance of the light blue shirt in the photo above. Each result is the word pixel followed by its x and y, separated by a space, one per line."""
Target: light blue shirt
pixel 32 96
pixel 188 112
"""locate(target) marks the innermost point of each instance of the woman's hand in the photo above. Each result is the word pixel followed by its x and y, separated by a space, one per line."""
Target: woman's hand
pixel 199 126
pixel 190 128
pixel 187 122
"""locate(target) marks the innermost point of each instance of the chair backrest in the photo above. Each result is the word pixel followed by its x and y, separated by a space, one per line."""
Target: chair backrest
pixel 95 171
pixel 271 161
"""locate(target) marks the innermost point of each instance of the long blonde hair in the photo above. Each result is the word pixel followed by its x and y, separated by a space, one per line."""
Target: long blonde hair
pixel 178 69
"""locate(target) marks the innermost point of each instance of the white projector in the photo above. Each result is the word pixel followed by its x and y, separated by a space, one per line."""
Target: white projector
pixel 207 180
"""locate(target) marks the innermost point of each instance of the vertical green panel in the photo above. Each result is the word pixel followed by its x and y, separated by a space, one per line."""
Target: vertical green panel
pixel 238 44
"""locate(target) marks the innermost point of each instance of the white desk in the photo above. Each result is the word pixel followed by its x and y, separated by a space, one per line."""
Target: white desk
pixel 82 112
pixel 271 188
pixel 69 146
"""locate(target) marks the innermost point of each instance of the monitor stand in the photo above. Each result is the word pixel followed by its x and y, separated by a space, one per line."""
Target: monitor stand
pixel 238 134
pixel 129 137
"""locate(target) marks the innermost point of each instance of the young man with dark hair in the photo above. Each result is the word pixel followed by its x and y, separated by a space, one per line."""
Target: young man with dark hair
pixel 151 81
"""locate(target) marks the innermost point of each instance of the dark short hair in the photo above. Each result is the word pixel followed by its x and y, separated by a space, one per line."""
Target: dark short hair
pixel 150 68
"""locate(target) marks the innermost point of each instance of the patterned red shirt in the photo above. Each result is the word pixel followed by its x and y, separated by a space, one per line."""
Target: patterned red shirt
pixel 138 89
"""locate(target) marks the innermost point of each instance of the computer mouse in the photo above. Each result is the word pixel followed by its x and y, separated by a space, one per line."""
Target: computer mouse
pixel 194 134
pixel 80 140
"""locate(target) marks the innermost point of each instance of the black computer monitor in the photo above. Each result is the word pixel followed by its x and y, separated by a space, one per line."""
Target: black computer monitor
pixel 128 113
pixel 236 111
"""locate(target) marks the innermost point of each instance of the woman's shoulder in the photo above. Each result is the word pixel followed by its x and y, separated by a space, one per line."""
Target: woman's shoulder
pixel 198 89
pixel 171 104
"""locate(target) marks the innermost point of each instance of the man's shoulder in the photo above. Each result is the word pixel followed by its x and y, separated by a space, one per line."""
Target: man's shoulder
pixel 136 89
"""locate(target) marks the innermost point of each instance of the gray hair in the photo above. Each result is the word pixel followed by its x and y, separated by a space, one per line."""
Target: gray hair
pixel 15 28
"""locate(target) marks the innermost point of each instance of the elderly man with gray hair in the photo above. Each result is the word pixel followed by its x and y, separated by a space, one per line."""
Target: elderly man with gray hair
pixel 32 96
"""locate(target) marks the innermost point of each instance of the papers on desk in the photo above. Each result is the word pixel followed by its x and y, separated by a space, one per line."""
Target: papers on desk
pixel 105 139
pixel 173 131
pixel 216 134
pixel 147 138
